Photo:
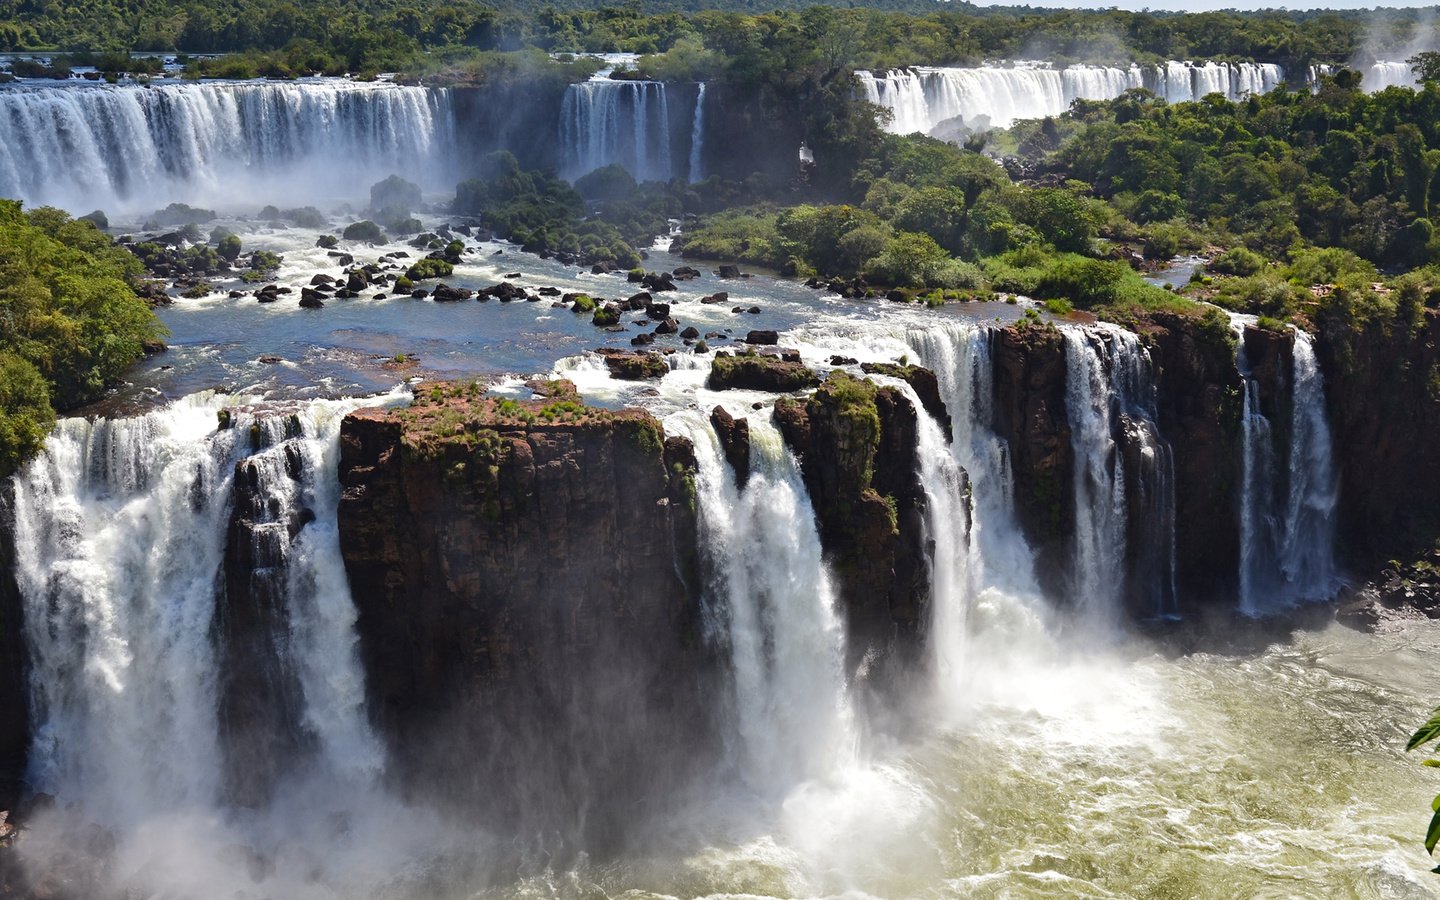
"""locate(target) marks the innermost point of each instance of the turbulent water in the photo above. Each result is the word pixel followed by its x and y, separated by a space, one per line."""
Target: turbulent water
pixel 1051 760
pixel 135 148
pixel 927 99
pixel 697 138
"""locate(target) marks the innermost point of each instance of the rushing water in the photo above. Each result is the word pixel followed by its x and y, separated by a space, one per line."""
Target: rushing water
pixel 127 147
pixel 925 98
pixel 1053 761
pixel 605 122
pixel 697 138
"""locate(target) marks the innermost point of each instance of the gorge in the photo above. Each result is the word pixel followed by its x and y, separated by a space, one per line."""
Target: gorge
pixel 439 567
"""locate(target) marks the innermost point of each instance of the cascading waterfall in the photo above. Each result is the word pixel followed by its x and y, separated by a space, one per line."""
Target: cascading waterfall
pixel 960 357
pixel 697 138
pixel 1381 75
pixel 120 532
pixel 924 97
pixel 773 607
pixel 1287 525
pixel 605 122
pixel 1123 470
pixel 132 148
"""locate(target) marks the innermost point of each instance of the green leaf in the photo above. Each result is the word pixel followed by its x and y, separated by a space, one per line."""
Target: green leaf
pixel 1432 835
pixel 1432 762
pixel 1435 804
pixel 1427 733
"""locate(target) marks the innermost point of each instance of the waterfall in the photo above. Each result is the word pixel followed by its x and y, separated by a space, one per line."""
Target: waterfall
pixel 1124 477
pixel 605 122
pixel 1382 75
pixel 132 148
pixel 120 531
pixel 697 138
pixel 773 606
pixel 1288 489
pixel 992 96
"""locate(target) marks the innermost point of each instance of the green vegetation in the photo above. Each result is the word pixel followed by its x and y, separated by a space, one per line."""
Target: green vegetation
pixel 364 230
pixel 429 268
pixel 1428 733
pixel 70 321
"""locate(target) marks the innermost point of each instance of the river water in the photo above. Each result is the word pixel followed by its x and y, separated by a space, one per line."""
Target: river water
pixel 1058 762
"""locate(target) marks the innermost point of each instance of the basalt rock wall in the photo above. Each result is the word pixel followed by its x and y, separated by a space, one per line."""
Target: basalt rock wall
pixel 525 579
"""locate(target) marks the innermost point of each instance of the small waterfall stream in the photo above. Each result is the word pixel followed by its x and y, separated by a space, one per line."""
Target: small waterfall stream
pixel 697 138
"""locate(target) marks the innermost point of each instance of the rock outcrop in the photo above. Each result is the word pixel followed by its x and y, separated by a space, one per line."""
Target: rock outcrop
pixel 14 695
pixel 1030 415
pixel 857 443
pixel 525 576
pixel 1198 405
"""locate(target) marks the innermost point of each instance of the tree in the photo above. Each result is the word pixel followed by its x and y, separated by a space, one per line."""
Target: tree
pixel 1425 65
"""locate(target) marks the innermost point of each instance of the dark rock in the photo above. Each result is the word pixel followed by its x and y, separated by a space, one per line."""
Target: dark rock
pixel 717 297
pixel 690 333
pixel 657 310
pixel 753 309
pixel 525 604
pixel 643 339
pixel 632 366
pixel 728 271
pixel 311 300
pixel 734 435
pixel 444 293
pixel 321 280
pixel 669 326
pixel 843 361
pixel 685 273
pixel 766 338
pixel 921 380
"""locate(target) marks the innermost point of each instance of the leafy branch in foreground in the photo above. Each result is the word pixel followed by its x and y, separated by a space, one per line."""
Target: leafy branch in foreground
pixel 1428 732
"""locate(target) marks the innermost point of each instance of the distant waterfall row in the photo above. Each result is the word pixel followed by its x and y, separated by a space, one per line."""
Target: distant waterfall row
pixel 137 148
pixel 607 122
pixel 954 100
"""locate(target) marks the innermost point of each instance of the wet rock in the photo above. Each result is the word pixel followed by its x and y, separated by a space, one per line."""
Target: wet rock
pixel 668 326
pixel 657 310
pixel 717 297
pixel 632 366
pixel 685 273
pixel 766 338
pixel 311 300
pixel 754 372
pixel 728 271
pixel 444 293
pixel 734 435
pixel 690 333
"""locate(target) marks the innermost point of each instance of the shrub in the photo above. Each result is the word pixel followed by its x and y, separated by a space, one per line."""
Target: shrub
pixel 429 268
pixel 1237 261
pixel 229 248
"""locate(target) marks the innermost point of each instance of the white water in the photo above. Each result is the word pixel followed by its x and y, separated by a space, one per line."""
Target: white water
pixel 697 138
pixel 121 528
pixel 605 122
pixel 1382 75
pixel 992 96
pixel 135 149
pixel 773 604
pixel 1287 505
pixel 1110 401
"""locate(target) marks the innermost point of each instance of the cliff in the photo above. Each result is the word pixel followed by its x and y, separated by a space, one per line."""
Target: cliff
pixel 14 691
pixel 856 443
pixel 1382 383
pixel 1198 405
pixel 525 579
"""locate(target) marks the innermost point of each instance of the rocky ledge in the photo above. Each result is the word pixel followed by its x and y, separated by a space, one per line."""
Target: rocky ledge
pixel 525 579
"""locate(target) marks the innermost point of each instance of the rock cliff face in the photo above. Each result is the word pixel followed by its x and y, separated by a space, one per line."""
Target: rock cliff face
pixel 1198 405
pixel 14 692
pixel 525 578
pixel 1030 415
pixel 856 443
pixel 1382 382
